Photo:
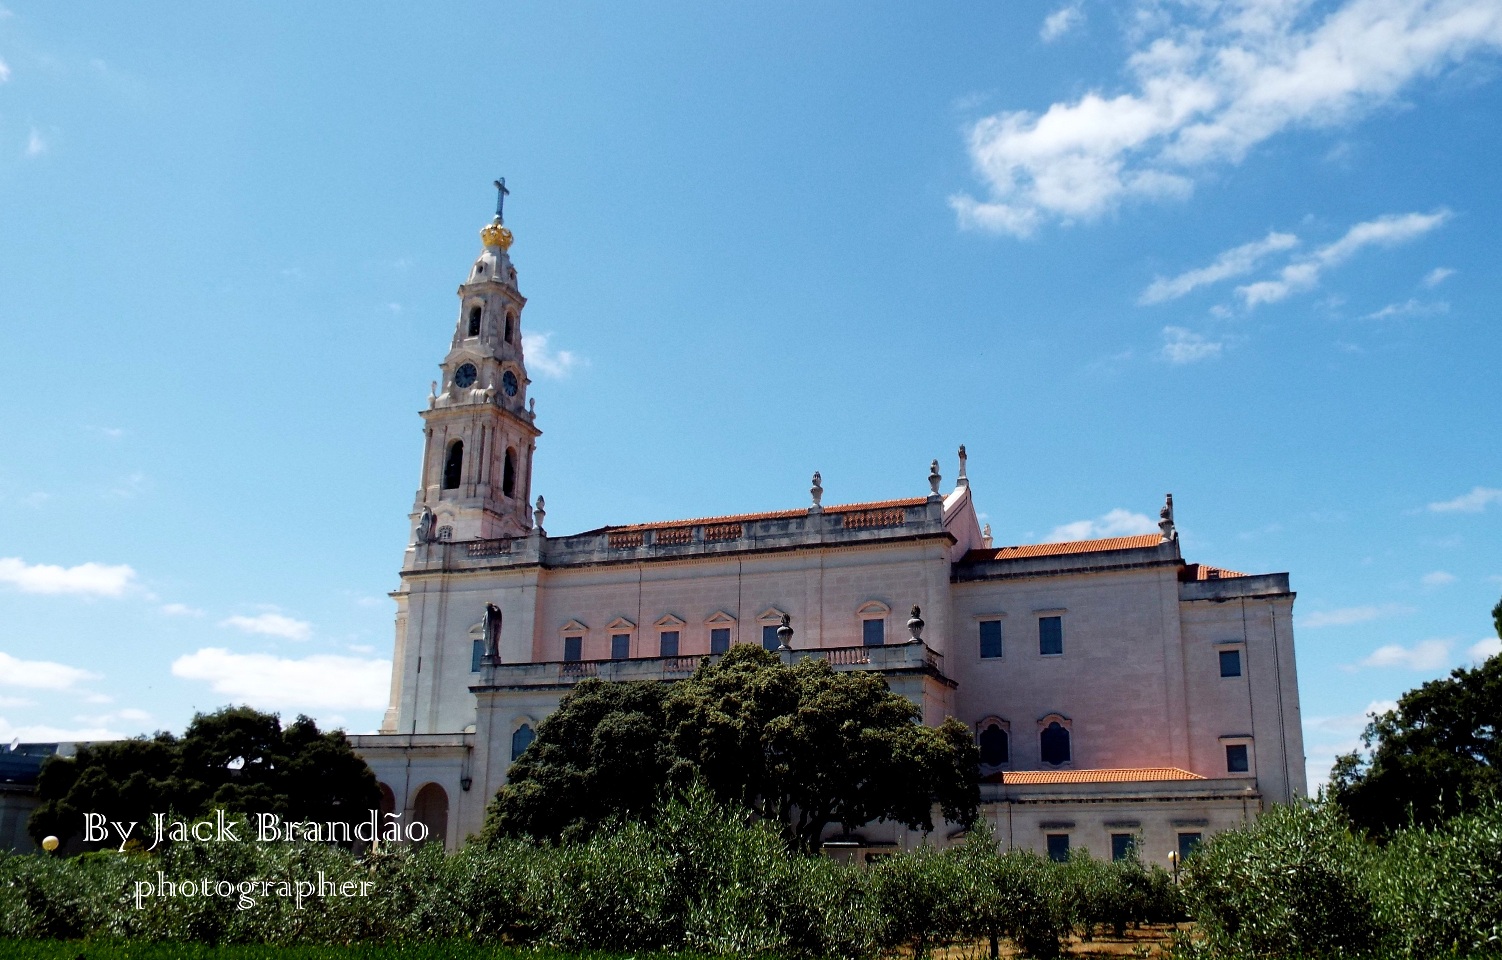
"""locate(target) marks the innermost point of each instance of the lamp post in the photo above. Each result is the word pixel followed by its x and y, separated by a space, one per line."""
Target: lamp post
pixel 1173 858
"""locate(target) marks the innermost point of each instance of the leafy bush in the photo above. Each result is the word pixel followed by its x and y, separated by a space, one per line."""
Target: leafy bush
pixel 1439 892
pixel 1290 884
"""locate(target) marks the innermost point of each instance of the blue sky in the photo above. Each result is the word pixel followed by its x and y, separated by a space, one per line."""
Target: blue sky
pixel 1245 252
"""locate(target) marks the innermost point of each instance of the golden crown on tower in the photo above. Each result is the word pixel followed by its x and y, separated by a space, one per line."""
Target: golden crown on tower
pixel 496 235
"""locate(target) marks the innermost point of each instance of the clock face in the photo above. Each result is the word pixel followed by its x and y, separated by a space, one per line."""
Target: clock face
pixel 465 375
pixel 508 383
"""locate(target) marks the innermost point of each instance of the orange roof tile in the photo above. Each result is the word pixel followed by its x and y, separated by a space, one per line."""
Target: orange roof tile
pixel 770 515
pixel 1060 549
pixel 1119 775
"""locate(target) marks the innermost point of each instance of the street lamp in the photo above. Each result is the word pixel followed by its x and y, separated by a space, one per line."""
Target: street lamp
pixel 1173 858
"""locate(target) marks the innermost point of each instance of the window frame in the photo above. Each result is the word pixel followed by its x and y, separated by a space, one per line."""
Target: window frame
pixel 1056 855
pixel 1238 648
pixel 1245 743
pixel 997 723
pixel 1001 636
pixel 578 641
pixel 719 620
pixel 1124 851
pixel 872 610
pixel 1055 616
pixel 1045 723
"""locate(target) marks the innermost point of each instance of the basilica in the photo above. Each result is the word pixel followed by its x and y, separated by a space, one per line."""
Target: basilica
pixel 1121 697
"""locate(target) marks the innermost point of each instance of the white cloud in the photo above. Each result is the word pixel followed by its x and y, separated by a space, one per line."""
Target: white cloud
pixel 313 682
pixel 88 579
pixel 1409 308
pixel 1438 578
pixel 35 144
pixel 1438 276
pixel 1060 22
pixel 1424 655
pixel 1350 723
pixel 40 674
pixel 1117 523
pixel 1182 346
pixel 4 71
pixel 6 702
pixel 1304 274
pixel 1474 502
pixel 1232 263
pixel 1204 87
pixel 180 610
pixel 1485 648
pixel 42 733
pixel 556 364
pixel 1346 616
pixel 271 625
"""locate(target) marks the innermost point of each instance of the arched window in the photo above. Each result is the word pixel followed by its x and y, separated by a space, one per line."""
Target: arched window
pixel 521 739
pixel 474 321
pixel 453 465
pixel 1054 743
pixel 431 808
pixel 994 748
pixel 510 327
pixel 508 473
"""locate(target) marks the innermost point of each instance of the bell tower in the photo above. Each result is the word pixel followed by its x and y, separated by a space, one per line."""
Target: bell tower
pixel 479 431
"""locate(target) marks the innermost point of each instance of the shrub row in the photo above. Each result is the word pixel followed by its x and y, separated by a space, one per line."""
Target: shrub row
pixel 697 877
pixel 1300 882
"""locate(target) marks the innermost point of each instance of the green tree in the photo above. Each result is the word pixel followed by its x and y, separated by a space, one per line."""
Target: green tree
pixel 1437 755
pixel 235 758
pixel 802 745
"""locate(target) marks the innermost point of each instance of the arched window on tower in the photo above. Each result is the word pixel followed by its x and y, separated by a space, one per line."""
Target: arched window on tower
pixel 521 740
pixel 508 473
pixel 474 322
pixel 1053 744
pixel 510 327
pixel 453 465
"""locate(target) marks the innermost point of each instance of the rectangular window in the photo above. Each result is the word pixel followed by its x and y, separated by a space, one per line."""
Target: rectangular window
pixel 669 640
pixel 1236 758
pixel 1058 847
pixel 990 639
pixel 620 646
pixel 719 640
pixel 873 632
pixel 1188 843
pixel 1123 845
pixel 573 649
pixel 1230 663
pixel 476 656
pixel 1050 636
pixel 769 636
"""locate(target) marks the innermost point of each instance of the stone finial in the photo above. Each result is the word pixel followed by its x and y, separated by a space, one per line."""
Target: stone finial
pixel 532 407
pixel 985 535
pixel 432 394
pixel 817 492
pixel 538 513
pixel 915 626
pixel 785 633
pixel 1165 520
pixel 934 478
pixel 963 481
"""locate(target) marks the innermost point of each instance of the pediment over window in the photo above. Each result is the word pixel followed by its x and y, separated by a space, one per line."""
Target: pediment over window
pixel 620 623
pixel 670 621
pixel 720 619
pixel 1058 718
pixel 873 608
pixel 573 626
pixel 770 615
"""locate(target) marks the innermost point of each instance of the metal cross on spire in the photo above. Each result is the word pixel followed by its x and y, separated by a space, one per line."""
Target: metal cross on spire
pixel 500 199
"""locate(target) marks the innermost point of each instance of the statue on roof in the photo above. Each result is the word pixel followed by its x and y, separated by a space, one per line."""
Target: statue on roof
pixel 1165 520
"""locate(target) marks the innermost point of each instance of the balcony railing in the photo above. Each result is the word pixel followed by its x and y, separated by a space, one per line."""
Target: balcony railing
pixel 897 657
